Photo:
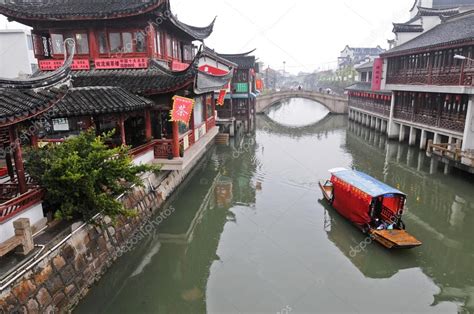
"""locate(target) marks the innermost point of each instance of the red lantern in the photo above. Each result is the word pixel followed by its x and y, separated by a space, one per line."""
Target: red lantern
pixel 458 98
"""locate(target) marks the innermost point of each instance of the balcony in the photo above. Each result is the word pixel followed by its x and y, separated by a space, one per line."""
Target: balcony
pixel 377 106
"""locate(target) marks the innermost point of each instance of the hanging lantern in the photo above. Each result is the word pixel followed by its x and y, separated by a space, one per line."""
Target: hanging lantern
pixel 458 98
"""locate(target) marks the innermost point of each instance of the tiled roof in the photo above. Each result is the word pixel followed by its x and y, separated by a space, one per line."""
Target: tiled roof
pixel 19 105
pixel 243 61
pixel 365 87
pixel 90 101
pixel 407 28
pixel 75 9
pixel 198 33
pixel 437 12
pixel 154 80
pixel 456 29
pixel 442 4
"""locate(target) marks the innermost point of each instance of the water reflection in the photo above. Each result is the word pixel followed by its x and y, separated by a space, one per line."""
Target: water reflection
pixel 440 209
pixel 297 112
pixel 249 234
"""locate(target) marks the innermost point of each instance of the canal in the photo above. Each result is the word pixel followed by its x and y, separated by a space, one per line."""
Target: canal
pixel 249 232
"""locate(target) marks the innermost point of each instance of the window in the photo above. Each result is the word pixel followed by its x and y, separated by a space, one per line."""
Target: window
pixel 168 47
pixel 82 43
pixel 188 52
pixel 175 50
pixel 57 41
pixel 127 42
pixel 158 44
pixel 183 128
pixel 115 42
pixel 29 42
pixel 198 112
pixel 103 47
pixel 140 45
pixel 81 40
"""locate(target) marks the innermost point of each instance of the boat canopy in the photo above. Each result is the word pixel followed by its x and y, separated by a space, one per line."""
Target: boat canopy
pixel 365 183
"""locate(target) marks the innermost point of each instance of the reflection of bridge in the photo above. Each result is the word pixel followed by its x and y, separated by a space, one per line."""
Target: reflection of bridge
pixel 329 124
pixel 335 104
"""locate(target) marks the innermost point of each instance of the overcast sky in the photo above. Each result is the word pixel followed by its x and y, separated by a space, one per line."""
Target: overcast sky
pixel 307 34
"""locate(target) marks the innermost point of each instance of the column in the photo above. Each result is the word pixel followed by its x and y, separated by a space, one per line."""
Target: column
pixel 468 137
pixel 412 140
pixel 393 128
pixel 17 156
pixel 423 139
pixel 122 129
pixel 378 123
pixel 373 121
pixel 175 145
pixel 401 136
pixel 383 128
pixel 436 139
pixel 148 131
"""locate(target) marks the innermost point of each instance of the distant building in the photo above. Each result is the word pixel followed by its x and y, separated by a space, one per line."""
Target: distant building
pixel 353 56
pixel 426 14
pixel 18 58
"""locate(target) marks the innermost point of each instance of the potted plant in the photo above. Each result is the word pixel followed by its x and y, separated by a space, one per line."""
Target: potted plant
pixel 181 151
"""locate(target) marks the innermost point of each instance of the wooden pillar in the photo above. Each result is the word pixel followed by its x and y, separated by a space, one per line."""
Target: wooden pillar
pixel 17 156
pixel 34 140
pixel 8 160
pixel 148 132
pixel 122 129
pixel 175 145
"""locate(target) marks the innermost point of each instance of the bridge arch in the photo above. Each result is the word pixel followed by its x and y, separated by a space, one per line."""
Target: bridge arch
pixel 335 104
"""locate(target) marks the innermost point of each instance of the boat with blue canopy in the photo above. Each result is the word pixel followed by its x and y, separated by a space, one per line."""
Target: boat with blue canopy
pixel 373 206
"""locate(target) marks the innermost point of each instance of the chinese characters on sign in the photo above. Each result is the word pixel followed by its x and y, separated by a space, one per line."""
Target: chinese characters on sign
pixel 377 74
pixel 221 98
pixel 51 65
pixel 178 66
pixel 121 63
pixel 182 109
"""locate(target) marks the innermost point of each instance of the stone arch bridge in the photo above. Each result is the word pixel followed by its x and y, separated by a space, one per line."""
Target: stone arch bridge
pixel 335 104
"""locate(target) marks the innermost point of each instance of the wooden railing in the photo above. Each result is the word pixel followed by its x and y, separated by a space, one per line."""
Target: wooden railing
pixel 376 106
pixel 428 117
pixel 452 152
pixel 20 203
pixel 449 76
pixel 210 123
pixel 141 150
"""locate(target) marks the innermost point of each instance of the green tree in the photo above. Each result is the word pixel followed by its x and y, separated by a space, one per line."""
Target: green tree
pixel 83 176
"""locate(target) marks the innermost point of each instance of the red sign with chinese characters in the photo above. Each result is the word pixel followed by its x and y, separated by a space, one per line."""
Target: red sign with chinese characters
pixel 182 109
pixel 377 74
pixel 221 98
pixel 121 63
pixel 51 65
pixel 212 70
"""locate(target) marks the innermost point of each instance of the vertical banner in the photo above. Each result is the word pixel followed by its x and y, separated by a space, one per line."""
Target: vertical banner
pixel 182 109
pixel 377 74
pixel 259 85
pixel 221 98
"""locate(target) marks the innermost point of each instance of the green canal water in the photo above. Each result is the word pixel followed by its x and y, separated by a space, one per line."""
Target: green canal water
pixel 249 232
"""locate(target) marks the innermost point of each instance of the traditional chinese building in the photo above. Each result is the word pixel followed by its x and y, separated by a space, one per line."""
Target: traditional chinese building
pixel 239 103
pixel 367 103
pixel 128 48
pixel 430 78
pixel 22 102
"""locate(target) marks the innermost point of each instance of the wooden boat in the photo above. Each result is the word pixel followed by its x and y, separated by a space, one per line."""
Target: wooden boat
pixel 372 206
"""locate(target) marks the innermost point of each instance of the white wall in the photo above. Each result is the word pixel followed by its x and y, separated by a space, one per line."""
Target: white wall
pixel 404 37
pixel 468 140
pixel 16 56
pixel 146 158
pixel 34 214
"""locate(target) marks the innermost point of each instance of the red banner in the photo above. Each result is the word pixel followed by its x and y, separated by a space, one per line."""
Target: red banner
pixel 221 98
pixel 121 63
pixel 51 65
pixel 259 85
pixel 377 74
pixel 182 109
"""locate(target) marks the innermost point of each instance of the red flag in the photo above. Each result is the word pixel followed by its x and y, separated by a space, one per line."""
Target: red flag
pixel 182 109
pixel 221 98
